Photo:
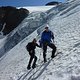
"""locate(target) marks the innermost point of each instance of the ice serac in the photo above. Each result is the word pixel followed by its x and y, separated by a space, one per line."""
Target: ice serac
pixel 65 24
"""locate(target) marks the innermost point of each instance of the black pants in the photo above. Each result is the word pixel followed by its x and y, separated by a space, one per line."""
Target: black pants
pixel 32 56
pixel 51 45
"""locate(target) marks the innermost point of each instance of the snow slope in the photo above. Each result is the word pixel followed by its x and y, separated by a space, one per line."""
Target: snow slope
pixel 65 66
pixel 70 0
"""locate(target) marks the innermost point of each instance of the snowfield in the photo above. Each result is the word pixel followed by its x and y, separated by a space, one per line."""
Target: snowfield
pixel 65 66
pixel 39 8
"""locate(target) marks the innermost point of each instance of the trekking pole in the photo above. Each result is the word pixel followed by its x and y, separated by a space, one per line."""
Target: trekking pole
pixel 40 55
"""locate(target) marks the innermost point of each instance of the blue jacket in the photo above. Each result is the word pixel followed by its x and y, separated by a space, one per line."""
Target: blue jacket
pixel 47 36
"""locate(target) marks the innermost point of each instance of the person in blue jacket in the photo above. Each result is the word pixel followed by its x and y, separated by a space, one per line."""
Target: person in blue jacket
pixel 46 40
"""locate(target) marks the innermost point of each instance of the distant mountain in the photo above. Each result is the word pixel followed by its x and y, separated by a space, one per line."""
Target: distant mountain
pixel 53 3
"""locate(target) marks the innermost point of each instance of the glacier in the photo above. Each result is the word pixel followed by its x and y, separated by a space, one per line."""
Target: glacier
pixel 64 21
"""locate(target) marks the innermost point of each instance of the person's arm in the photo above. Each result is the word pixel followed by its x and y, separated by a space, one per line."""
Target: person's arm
pixel 52 35
pixel 38 45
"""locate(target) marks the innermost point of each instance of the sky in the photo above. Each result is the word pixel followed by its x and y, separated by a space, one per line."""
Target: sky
pixel 18 3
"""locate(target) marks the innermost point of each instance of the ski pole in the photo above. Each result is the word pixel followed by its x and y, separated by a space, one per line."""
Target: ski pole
pixel 40 54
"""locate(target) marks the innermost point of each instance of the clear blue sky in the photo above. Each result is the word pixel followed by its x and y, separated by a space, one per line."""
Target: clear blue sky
pixel 26 2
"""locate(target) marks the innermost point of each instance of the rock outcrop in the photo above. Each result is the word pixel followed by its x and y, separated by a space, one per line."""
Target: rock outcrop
pixel 11 17
pixel 53 3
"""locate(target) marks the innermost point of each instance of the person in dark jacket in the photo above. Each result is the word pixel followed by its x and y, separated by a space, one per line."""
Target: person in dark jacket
pixel 45 41
pixel 31 46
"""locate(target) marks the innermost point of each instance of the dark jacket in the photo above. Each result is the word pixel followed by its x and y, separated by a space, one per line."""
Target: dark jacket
pixel 47 36
pixel 31 46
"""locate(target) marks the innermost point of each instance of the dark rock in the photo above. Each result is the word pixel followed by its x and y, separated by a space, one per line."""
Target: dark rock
pixel 12 17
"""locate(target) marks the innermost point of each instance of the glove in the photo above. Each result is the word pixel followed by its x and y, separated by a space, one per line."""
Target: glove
pixel 40 43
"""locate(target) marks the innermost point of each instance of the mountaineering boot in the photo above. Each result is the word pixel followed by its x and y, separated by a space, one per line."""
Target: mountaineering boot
pixel 34 66
pixel 52 56
pixel 45 60
pixel 28 67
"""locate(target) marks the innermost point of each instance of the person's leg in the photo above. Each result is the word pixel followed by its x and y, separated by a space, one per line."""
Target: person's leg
pixel 44 51
pixel 51 45
pixel 34 63
pixel 30 60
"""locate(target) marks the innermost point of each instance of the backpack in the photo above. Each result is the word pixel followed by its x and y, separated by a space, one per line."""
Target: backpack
pixel 28 47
